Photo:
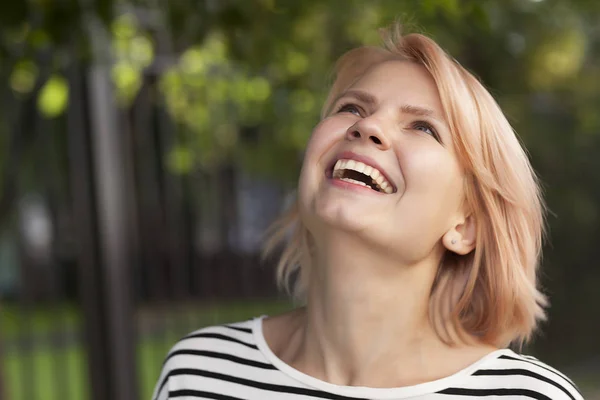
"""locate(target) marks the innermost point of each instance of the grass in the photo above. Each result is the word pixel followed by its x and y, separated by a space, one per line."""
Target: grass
pixel 46 383
pixel 42 371
pixel 15 320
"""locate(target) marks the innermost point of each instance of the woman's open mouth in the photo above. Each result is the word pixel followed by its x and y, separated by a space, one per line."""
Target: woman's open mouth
pixel 359 173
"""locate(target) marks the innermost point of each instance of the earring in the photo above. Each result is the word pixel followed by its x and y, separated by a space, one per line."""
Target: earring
pixel 453 241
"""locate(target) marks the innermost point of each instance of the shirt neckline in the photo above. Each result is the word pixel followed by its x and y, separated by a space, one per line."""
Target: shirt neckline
pixel 453 380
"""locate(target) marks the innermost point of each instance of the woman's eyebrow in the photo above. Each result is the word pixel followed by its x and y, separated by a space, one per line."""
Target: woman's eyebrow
pixel 364 97
pixel 421 112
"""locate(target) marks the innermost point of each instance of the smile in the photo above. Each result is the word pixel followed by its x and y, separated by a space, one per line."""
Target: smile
pixel 359 173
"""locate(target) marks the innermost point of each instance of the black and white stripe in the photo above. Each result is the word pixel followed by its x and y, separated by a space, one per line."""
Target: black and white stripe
pixel 232 362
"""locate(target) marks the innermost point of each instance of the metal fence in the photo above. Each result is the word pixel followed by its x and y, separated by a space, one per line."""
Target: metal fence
pixel 110 257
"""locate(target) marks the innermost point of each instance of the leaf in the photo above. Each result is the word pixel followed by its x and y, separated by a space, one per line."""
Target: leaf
pixel 127 78
pixel 53 97
pixel 23 76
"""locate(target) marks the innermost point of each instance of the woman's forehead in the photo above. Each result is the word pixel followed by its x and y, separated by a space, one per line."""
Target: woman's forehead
pixel 391 72
pixel 404 82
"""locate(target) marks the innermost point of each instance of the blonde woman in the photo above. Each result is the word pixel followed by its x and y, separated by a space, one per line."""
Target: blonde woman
pixel 415 241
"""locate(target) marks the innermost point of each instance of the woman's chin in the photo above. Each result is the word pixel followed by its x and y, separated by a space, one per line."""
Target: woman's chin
pixel 337 215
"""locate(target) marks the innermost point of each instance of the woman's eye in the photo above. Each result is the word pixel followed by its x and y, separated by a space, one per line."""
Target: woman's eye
pixel 427 128
pixel 350 108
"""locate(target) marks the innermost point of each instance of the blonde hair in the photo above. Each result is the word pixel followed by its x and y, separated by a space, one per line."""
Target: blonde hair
pixel 490 294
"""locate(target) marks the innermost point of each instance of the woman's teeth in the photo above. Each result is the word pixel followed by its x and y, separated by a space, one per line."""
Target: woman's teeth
pixel 378 182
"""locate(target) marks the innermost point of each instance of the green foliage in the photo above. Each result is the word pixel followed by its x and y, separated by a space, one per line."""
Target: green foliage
pixel 559 58
pixel 211 96
pixel 23 76
pixel 133 51
pixel 54 96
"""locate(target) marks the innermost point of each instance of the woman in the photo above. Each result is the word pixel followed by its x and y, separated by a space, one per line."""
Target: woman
pixel 415 241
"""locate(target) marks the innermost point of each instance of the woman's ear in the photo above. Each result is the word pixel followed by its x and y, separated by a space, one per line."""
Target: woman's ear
pixel 461 238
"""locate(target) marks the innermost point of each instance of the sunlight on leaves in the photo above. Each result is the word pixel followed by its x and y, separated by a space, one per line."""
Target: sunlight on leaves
pixel 195 116
pixel 180 160
pixel 23 76
pixel 124 26
pixel 133 52
pixel 141 51
pixel 54 96
pixel 192 61
pixel 127 79
pixel 296 62
pixel 259 89
pixel 559 59
pixel 212 97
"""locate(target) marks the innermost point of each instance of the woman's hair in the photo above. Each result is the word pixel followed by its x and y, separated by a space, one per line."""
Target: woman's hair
pixel 490 293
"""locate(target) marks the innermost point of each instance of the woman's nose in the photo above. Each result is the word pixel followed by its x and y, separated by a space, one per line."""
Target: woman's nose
pixel 369 130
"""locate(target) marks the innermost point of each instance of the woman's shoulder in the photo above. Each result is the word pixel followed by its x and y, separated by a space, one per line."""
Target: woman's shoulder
pixel 209 349
pixel 216 340
pixel 512 373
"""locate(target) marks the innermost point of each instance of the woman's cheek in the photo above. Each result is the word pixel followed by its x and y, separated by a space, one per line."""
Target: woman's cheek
pixel 427 168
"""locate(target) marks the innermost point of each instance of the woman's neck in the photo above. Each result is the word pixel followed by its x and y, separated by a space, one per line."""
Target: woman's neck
pixel 364 310
pixel 366 322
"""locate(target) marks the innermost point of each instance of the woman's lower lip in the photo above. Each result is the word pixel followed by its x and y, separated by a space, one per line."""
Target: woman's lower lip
pixel 352 186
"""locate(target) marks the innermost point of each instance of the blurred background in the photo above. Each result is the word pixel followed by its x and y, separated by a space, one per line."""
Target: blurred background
pixel 145 145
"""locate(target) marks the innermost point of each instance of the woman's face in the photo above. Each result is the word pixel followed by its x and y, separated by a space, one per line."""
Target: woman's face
pixel 381 165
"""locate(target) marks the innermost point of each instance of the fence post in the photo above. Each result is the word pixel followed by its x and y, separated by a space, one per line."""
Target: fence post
pixel 90 292
pixel 111 191
pixel 114 310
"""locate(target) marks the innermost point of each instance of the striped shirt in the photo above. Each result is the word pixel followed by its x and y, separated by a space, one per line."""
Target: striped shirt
pixel 233 361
